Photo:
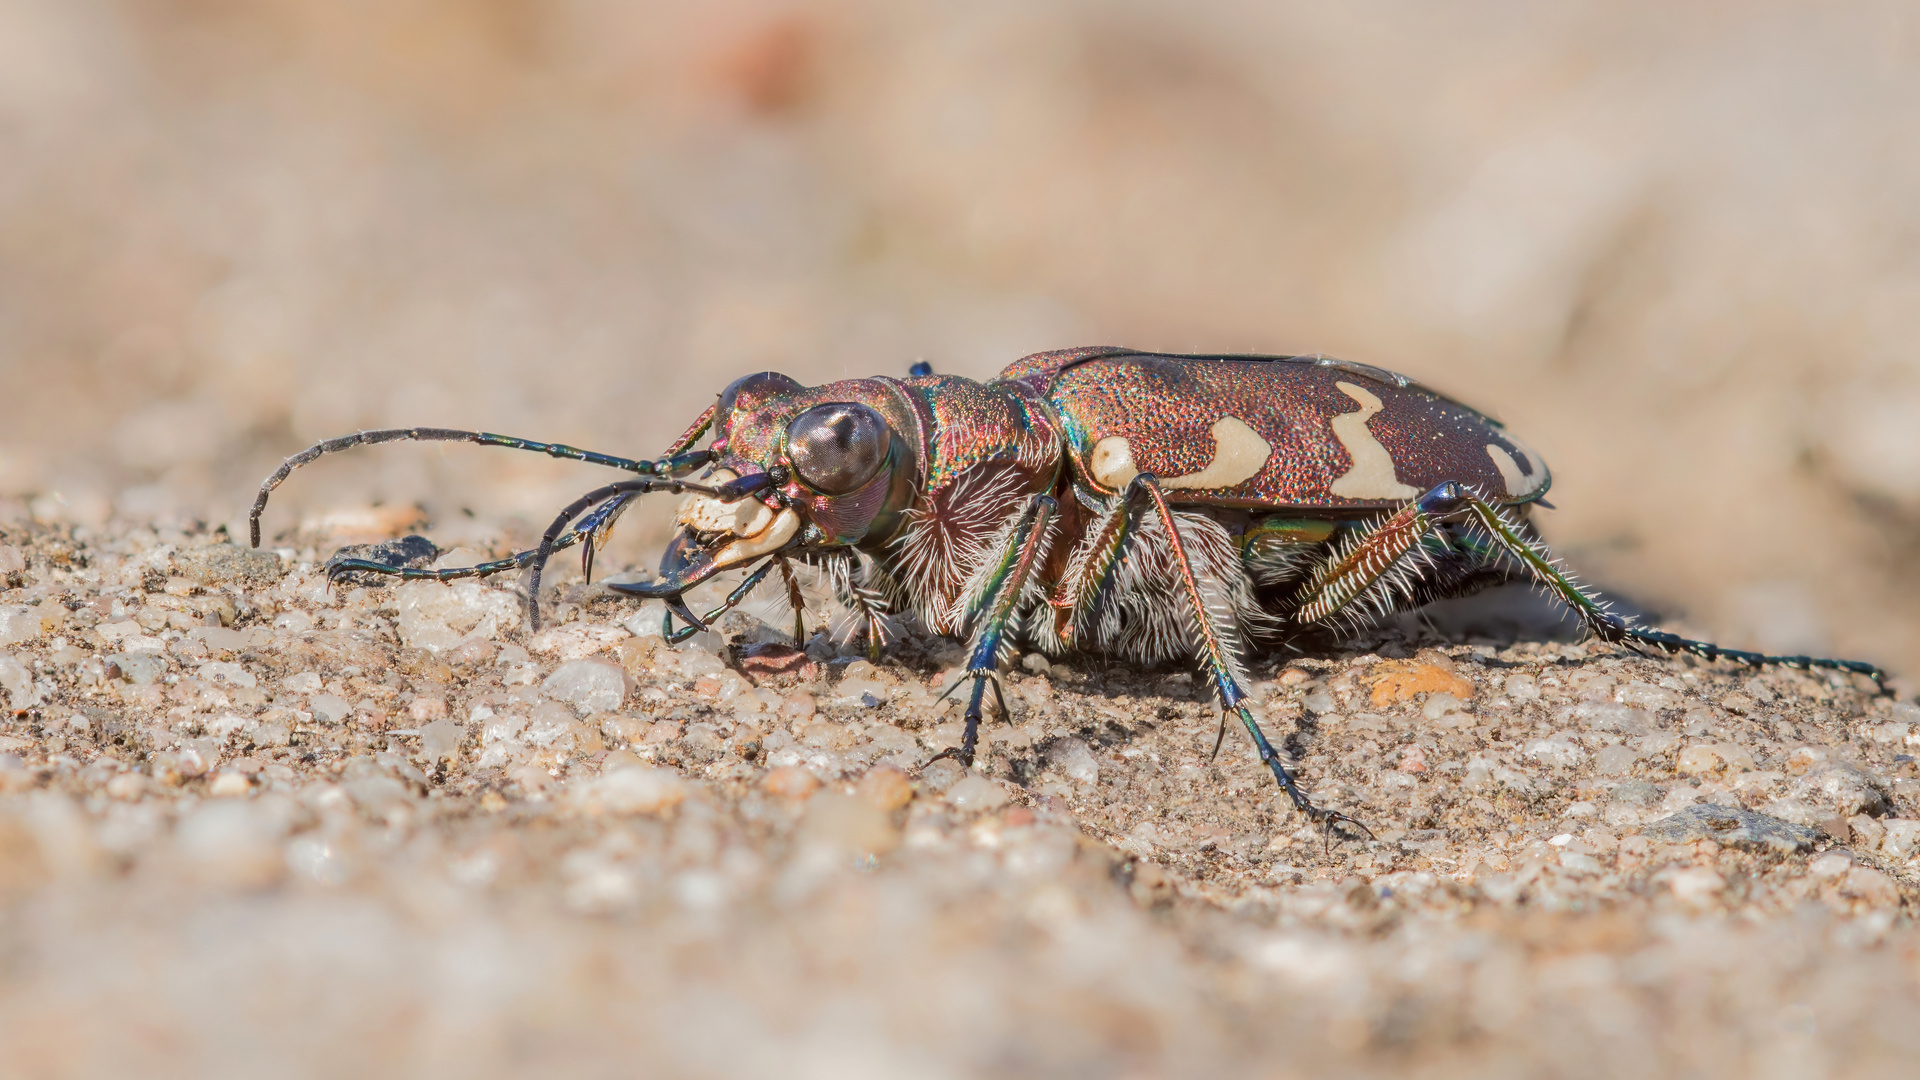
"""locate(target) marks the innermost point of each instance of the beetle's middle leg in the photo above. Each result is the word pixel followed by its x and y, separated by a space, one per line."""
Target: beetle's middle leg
pixel 995 609
pixel 1377 557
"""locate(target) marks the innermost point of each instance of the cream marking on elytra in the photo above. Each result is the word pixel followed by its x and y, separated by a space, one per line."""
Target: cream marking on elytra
pixel 1111 462
pixel 1518 483
pixel 1239 453
pixel 1372 475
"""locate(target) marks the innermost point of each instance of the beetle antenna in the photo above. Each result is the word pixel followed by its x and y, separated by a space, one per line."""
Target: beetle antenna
pixel 679 462
pixel 550 540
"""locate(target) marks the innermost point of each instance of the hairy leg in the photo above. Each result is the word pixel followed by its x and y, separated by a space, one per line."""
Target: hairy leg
pixel 995 608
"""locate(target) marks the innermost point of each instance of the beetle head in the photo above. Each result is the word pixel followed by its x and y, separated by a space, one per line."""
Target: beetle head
pixel 800 470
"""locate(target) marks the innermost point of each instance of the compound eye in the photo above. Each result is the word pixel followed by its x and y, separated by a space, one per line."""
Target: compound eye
pixel 838 447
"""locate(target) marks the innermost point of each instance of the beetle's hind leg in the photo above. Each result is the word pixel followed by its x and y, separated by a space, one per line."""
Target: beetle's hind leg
pixel 1384 563
pixel 1373 561
pixel 1641 640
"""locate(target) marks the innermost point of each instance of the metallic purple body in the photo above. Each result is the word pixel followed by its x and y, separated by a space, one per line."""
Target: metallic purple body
pixel 1165 405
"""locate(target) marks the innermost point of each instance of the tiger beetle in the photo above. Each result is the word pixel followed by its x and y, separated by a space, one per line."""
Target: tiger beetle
pixel 1142 506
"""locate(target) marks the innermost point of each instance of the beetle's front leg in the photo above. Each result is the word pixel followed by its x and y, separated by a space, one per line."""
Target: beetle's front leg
pixel 998 591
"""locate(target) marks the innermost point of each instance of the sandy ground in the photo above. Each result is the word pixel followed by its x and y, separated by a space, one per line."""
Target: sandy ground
pixel 250 827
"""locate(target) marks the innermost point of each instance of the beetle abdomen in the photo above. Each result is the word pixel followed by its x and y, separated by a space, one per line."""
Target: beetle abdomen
pixel 1273 432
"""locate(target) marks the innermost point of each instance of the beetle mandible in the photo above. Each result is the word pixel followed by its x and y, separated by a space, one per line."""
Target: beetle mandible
pixel 1140 505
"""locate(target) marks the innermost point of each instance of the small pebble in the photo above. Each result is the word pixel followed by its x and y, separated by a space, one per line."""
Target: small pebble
pixel 976 793
pixel 229 784
pixel 632 789
pixel 790 782
pixel 848 823
pixel 797 707
pixel 589 686
pixel 425 710
pixel 885 787
pixel 441 741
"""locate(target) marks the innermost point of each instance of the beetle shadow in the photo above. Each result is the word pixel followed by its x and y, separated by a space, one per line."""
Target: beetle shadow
pixel 1503 615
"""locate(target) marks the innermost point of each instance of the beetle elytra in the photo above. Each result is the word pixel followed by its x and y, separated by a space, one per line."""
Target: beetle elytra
pixel 1138 505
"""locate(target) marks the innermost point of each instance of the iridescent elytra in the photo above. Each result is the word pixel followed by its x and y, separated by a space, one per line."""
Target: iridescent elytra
pixel 1139 505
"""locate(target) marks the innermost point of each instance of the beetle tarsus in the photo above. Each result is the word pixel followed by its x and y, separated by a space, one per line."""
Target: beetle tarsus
pixel 976 711
pixel 1707 650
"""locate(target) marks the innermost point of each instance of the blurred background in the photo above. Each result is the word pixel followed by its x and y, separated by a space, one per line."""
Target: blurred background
pixel 1676 248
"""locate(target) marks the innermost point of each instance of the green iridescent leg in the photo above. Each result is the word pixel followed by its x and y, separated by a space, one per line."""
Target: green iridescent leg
pixel 995 612
pixel 1217 653
pixel 1375 559
pixel 1375 555
pixel 739 593
pixel 1707 650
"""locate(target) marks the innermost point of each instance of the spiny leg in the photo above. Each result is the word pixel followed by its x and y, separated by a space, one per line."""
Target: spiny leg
pixel 678 460
pixel 860 588
pixel 796 601
pixel 1611 627
pixel 1350 576
pixel 551 540
pixel 1707 650
pixel 1084 593
pixel 1219 660
pixel 335 567
pixel 592 531
pixel 675 637
pixel 994 613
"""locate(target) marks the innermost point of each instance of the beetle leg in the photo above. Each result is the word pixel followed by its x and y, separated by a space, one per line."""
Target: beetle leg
pixel 1376 557
pixel 995 610
pixel 794 600
pixel 1707 650
pixel 739 593
pixel 1092 576
pixel 1221 662
pixel 336 567
pixel 861 588
pixel 551 540
pixel 1366 562
pixel 1347 577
